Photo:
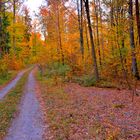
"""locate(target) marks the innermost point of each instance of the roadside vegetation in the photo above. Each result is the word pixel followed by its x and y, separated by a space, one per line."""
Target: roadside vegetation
pixel 65 73
pixel 5 74
pixel 4 79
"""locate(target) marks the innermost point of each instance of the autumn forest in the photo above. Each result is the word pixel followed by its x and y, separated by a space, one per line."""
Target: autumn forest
pixel 70 70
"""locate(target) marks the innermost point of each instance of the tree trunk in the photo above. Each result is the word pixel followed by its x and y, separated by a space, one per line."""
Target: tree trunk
pixel 0 28
pixel 14 21
pixel 138 18
pixel 86 31
pixel 91 40
pixel 97 32
pixel 132 41
pixel 60 37
pixel 101 22
pixel 112 26
pixel 80 21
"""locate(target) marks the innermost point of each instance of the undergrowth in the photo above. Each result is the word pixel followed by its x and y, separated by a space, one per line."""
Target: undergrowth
pixel 4 78
pixel 88 81
pixel 63 73
pixel 56 69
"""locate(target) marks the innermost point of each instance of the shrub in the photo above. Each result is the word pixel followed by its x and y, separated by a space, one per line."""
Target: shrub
pixel 89 80
pixel 57 69
pixel 3 69
pixel 86 80
pixel 104 83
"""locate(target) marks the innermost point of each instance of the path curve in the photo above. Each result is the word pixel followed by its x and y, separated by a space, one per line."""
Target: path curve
pixel 12 84
pixel 29 124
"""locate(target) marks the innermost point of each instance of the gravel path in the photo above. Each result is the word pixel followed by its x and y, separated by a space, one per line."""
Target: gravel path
pixel 11 85
pixel 28 125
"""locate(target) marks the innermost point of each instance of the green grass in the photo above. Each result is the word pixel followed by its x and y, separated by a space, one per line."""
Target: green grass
pixel 9 106
pixel 88 81
pixel 9 76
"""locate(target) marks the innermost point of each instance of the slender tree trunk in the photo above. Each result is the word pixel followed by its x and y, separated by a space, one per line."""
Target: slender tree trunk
pixel 3 29
pixel 91 40
pixel 14 21
pixel 86 31
pixel 80 21
pixel 132 41
pixel 112 26
pixel 101 22
pixel 0 28
pixel 120 37
pixel 81 31
pixel 4 32
pixel 60 37
pixel 97 32
pixel 138 18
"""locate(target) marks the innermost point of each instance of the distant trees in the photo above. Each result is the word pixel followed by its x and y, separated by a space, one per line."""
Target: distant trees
pixel 15 33
pixel 97 36
pixel 15 5
pixel 111 26
pixel 87 7
pixel 28 25
pixel 54 19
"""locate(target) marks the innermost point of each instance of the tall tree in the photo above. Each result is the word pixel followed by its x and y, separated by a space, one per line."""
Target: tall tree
pixel 28 26
pixel 0 28
pixel 80 21
pixel 60 35
pixel 132 41
pixel 4 34
pixel 138 18
pixel 101 25
pixel 96 7
pixel 14 21
pixel 91 39
pixel 15 5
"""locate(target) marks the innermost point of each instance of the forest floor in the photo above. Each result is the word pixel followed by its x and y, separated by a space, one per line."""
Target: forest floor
pixel 49 110
pixel 74 112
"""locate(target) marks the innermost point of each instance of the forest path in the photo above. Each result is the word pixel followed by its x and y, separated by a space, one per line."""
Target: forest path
pixel 4 91
pixel 28 125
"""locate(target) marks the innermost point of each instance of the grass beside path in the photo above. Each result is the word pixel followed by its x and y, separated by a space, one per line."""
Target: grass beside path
pixel 9 106
pixel 6 79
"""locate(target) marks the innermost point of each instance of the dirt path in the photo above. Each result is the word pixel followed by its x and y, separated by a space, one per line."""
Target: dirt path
pixel 12 84
pixel 28 125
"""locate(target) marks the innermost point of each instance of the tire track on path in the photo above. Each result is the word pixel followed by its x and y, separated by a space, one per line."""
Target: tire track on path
pixel 4 91
pixel 29 123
